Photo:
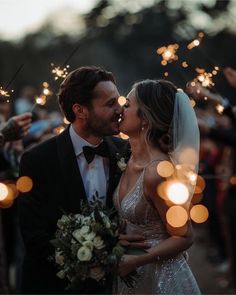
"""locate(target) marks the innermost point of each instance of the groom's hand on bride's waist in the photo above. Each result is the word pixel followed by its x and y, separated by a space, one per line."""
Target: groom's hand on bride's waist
pixel 133 241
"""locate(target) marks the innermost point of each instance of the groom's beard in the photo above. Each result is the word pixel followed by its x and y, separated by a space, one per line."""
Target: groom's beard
pixel 101 128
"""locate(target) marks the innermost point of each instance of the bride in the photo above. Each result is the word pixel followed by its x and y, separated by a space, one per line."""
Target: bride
pixel 160 122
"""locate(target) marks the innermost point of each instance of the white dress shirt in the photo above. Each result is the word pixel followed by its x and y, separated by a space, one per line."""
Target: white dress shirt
pixel 96 174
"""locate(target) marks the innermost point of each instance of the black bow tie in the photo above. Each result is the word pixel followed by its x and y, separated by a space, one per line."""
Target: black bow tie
pixel 90 152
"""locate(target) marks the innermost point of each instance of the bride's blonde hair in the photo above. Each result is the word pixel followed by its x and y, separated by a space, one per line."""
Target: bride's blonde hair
pixel 156 100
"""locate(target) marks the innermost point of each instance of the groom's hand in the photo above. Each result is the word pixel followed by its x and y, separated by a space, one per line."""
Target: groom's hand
pixel 136 241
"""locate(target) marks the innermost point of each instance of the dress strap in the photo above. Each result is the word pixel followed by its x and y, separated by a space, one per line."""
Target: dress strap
pixel 148 164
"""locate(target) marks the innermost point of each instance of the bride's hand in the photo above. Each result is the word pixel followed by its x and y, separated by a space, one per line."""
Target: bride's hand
pixel 133 241
pixel 127 265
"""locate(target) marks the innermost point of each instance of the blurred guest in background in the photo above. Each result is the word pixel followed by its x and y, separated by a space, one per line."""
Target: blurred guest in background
pixel 15 128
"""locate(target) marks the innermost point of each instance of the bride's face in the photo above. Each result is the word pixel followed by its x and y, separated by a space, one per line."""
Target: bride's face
pixel 131 122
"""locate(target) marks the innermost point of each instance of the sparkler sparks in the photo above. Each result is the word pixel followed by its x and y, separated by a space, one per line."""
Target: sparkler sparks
pixel 59 72
pixel 206 78
pixel 168 53
pixel 196 42
pixel 42 98
pixel 4 93
pixel 220 109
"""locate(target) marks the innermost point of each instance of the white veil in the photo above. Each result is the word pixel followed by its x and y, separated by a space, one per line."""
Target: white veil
pixel 184 132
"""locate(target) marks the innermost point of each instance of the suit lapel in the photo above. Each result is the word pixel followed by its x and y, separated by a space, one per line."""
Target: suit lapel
pixel 114 172
pixel 73 182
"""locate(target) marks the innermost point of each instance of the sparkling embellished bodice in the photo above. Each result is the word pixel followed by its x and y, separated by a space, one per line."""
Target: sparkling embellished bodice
pixel 139 213
pixel 171 276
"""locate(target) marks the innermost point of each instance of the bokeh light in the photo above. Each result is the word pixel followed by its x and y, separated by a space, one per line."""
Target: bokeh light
pixel 176 216
pixel 168 53
pixel 122 100
pixel 165 169
pixel 233 180
pixel 162 190
pixel 197 198
pixel 12 189
pixel 192 177
pixel 7 202
pixel 58 130
pixel 200 185
pixel 192 102
pixel 66 121
pixel 3 191
pixel 199 213
pixel 41 100
pixel 184 64
pixel 178 193
pixel 188 156
pixel 123 136
pixel 220 108
pixel 24 184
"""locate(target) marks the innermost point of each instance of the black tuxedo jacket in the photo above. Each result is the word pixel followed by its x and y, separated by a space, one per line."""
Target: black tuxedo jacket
pixel 57 184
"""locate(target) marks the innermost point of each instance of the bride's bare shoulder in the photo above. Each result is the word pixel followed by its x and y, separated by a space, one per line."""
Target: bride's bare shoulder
pixel 152 178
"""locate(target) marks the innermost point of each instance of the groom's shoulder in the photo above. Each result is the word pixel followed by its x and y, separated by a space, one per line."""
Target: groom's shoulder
pixel 45 148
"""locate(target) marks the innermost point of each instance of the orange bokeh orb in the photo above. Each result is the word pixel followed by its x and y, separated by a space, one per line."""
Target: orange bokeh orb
pixel 165 169
pixel 176 216
pixel 24 184
pixel 200 185
pixel 199 213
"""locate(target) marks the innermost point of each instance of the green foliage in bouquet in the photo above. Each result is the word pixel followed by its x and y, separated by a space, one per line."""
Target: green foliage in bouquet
pixel 87 246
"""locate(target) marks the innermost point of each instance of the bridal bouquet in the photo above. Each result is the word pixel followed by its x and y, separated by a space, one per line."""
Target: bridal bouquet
pixel 86 246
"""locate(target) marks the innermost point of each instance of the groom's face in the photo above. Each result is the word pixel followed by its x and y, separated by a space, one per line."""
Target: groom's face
pixel 104 111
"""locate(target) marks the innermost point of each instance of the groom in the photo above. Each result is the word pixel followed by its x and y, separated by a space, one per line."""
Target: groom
pixel 67 169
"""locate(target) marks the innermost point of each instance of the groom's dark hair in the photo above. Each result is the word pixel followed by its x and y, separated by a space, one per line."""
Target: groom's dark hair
pixel 78 87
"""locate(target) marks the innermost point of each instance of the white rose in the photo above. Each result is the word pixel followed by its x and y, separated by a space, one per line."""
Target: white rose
pixel 84 230
pixel 84 254
pixel 90 236
pixel 96 273
pixel 121 164
pixel 77 235
pixel 78 217
pixel 59 258
pixel 86 220
pixel 98 242
pixel 107 222
pixel 61 274
pixel 88 244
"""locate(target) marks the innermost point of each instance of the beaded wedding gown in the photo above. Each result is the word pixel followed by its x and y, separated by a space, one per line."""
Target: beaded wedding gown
pixel 172 276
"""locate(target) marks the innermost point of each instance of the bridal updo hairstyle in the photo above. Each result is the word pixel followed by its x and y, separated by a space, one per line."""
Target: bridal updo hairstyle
pixel 156 100
pixel 78 87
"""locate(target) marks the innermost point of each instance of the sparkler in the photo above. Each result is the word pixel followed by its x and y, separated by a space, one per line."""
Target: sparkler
pixel 4 92
pixel 168 53
pixel 58 72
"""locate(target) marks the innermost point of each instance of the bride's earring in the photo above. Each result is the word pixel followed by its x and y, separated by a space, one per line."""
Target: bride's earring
pixel 142 128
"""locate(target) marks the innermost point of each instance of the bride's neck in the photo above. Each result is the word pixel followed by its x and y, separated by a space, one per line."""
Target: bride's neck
pixel 142 152
pixel 139 149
